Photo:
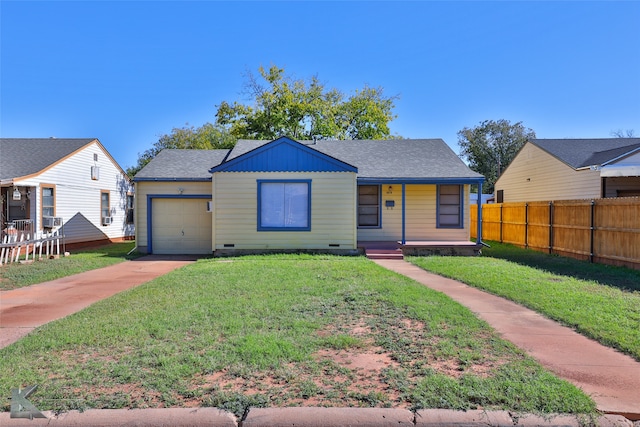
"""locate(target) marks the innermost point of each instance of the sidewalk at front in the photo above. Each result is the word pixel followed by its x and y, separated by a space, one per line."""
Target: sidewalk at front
pixel 309 417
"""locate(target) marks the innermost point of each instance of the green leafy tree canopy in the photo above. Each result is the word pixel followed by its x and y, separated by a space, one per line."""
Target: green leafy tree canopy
pixel 491 146
pixel 284 106
pixel 205 137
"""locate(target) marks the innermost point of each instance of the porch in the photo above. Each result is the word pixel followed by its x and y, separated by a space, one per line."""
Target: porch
pixel 397 250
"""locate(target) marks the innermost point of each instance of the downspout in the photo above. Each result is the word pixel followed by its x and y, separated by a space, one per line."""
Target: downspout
pixel 404 238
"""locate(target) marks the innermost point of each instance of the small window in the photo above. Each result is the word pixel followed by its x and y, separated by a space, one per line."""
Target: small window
pixel 130 201
pixel 48 201
pixel 450 206
pixel 105 208
pixel 499 196
pixel 368 206
pixel 284 205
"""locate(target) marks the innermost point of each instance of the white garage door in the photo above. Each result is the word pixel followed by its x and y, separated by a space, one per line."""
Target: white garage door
pixel 181 226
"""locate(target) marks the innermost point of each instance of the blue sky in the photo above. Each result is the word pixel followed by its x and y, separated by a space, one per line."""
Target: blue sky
pixel 127 72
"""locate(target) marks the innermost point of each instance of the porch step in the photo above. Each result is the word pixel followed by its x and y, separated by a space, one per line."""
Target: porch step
pixel 384 254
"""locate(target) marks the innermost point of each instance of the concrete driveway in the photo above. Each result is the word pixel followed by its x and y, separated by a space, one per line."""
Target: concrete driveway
pixel 24 309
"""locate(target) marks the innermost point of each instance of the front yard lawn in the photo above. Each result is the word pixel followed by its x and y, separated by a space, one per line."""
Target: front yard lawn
pixel 601 302
pixel 17 275
pixel 280 330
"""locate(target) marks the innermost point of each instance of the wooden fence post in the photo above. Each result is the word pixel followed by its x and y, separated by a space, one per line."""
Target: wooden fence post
pixel 526 225
pixel 593 230
pixel 550 227
pixel 501 222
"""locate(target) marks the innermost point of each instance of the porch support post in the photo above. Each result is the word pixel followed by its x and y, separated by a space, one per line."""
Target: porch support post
pixel 479 219
pixel 404 237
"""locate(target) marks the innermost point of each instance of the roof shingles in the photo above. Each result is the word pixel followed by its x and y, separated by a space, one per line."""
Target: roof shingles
pixel 582 153
pixel 21 157
pixel 410 159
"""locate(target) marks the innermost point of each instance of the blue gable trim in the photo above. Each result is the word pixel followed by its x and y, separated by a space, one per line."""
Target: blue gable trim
pixel 284 155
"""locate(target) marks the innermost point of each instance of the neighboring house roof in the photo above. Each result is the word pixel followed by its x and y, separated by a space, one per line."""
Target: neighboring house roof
pixel 21 157
pixel 181 165
pixel 582 153
pixel 386 159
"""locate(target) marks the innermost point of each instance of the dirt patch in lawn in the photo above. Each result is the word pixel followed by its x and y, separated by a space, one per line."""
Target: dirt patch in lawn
pixel 364 362
pixel 361 374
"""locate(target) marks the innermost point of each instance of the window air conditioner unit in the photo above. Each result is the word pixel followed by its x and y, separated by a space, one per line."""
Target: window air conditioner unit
pixel 95 173
pixel 51 221
pixel 106 220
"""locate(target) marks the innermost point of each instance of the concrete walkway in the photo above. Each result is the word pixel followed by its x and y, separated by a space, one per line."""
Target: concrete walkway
pixel 24 309
pixel 611 378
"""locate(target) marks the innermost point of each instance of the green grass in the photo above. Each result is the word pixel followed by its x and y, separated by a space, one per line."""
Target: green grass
pixel 273 331
pixel 17 275
pixel 601 302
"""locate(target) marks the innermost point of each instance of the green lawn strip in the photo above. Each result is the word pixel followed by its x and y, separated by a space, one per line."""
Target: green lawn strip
pixel 17 275
pixel 249 331
pixel 605 313
pixel 619 277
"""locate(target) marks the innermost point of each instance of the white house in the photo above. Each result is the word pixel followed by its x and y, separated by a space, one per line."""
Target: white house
pixel 69 184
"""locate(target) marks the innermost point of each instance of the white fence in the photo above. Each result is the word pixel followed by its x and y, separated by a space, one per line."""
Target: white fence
pixel 35 246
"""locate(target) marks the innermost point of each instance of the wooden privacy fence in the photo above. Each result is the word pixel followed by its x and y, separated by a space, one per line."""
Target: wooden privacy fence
pixel 605 231
pixel 14 245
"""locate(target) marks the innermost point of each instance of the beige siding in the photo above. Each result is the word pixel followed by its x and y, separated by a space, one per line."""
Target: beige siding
pixel 420 216
pixel 145 188
pixel 332 212
pixel 535 175
pixel 77 196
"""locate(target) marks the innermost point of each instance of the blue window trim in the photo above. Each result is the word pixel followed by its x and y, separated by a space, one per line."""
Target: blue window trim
pixel 283 181
pixel 460 224
pixel 371 227
pixel 150 198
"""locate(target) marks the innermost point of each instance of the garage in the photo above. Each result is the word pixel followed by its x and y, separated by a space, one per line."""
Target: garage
pixel 180 226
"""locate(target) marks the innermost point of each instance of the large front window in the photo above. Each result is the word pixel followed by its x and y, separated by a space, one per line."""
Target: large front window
pixel 450 206
pixel 284 205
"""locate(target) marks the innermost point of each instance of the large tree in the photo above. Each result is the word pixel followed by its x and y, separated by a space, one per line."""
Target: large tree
pixel 205 137
pixel 284 106
pixel 491 146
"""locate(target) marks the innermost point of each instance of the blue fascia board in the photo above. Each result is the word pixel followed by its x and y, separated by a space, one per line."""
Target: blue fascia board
pixel 453 180
pixel 258 160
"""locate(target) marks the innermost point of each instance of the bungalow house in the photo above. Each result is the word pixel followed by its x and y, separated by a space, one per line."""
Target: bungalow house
pixel 571 169
pixel 69 184
pixel 318 196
